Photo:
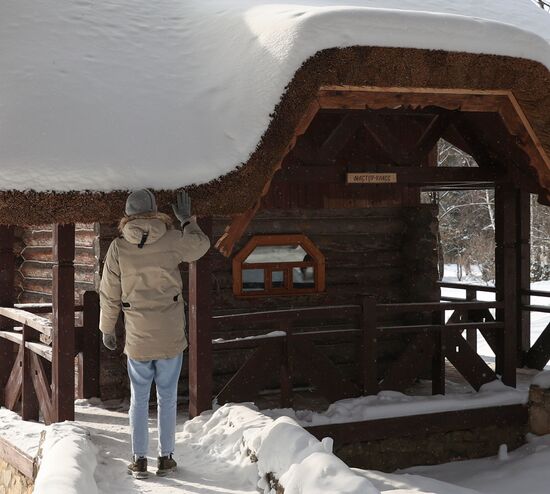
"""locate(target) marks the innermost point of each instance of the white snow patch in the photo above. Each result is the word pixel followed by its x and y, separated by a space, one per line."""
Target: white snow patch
pixel 68 461
pixel 125 93
pixel 395 404
pixel 25 435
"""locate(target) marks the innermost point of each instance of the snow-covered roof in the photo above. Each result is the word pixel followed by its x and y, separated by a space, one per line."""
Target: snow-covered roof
pixel 121 94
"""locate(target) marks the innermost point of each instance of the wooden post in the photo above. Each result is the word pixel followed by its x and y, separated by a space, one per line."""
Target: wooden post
pixel 506 278
pixel 438 358
pixel 471 334
pixel 369 346
pixel 63 341
pixel 88 358
pixel 524 273
pixel 200 331
pixel 287 355
pixel 29 401
pixel 7 298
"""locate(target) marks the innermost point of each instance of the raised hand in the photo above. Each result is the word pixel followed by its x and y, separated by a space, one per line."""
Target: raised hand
pixel 182 209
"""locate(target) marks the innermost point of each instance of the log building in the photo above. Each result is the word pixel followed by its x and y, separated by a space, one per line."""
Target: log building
pixel 324 270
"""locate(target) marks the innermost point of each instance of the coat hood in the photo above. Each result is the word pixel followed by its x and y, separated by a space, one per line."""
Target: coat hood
pixel 154 224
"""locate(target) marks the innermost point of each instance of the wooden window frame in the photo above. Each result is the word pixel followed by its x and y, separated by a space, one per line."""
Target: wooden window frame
pixel 317 262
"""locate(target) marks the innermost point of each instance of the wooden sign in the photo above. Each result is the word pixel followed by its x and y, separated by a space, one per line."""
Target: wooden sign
pixel 371 178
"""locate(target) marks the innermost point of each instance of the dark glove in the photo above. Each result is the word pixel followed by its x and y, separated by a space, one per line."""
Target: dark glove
pixel 109 340
pixel 182 209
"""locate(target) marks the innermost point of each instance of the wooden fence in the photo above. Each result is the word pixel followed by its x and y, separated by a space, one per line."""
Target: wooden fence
pixel 431 340
pixel 30 353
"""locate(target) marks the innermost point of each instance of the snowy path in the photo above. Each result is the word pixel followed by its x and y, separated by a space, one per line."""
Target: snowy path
pixel 110 433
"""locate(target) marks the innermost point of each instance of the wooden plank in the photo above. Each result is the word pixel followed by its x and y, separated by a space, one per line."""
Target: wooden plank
pixel 43 389
pixel 461 326
pixel 467 361
pixel 12 336
pixel 63 376
pixel 40 324
pixel 251 378
pixel 421 425
pixel 200 330
pixel 12 389
pixel 18 459
pixel 45 351
pixel 438 356
pixel 506 277
pixel 29 401
pixel 523 252
pixel 416 358
pixel 287 314
pixel 437 306
pixel 369 353
pixel 539 354
pixel 7 298
pixel 89 357
pixel 321 372
pixel 340 136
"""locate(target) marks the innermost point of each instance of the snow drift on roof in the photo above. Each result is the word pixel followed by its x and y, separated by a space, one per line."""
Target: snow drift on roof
pixel 124 94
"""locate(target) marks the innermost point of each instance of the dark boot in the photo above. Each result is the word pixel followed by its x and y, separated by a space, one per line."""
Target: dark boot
pixel 166 465
pixel 138 468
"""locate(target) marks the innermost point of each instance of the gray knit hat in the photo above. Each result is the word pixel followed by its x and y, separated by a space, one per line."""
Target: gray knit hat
pixel 141 201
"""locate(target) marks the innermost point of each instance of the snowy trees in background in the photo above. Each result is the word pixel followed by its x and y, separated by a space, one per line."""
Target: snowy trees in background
pixel 467 225
pixel 466 220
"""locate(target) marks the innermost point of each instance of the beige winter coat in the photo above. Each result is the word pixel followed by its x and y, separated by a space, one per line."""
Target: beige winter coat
pixel 146 284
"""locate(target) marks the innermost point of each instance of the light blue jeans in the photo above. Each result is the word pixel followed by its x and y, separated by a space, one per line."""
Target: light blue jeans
pixel 165 373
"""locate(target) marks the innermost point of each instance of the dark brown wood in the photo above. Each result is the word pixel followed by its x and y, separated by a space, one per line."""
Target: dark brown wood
pixel 372 430
pixel 340 136
pixel 88 358
pixel 471 334
pixel 12 390
pixel 506 277
pixel 251 378
pixel 321 372
pixel 18 459
pixel 29 400
pixel 539 354
pixel 467 361
pixel 406 175
pixel 63 341
pixel 42 388
pixel 287 365
pixel 200 330
pixel 411 363
pixel 524 272
pixel 7 298
pixel 369 353
pixel 438 356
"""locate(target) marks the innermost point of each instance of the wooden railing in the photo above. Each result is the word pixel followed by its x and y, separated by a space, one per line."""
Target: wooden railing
pixel 28 348
pixel 294 351
pixel 538 355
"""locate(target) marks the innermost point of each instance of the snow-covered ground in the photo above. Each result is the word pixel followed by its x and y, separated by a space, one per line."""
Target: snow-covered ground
pixel 213 452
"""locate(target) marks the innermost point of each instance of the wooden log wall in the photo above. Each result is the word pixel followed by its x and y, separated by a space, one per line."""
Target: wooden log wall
pixel 385 252
pixel 35 262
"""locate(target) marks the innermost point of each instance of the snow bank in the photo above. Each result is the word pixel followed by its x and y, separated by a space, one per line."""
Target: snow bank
pixel 122 94
pixel 395 404
pixel 24 435
pixel 268 450
pixel 68 462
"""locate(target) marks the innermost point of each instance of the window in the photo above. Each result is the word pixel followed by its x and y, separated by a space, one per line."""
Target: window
pixel 278 265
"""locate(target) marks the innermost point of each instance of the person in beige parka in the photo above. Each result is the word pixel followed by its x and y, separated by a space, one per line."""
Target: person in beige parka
pixel 141 277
